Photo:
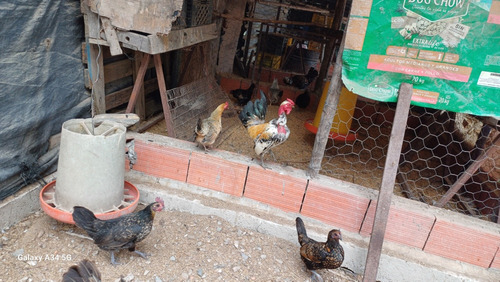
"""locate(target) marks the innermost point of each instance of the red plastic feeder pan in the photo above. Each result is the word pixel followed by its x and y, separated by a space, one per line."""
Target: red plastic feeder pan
pixel 47 194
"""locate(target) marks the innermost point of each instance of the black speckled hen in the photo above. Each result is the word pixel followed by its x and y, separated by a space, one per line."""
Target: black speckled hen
pixel 119 233
pixel 319 255
pixel 85 271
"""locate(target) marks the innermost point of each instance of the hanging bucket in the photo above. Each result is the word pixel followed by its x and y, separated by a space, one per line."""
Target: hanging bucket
pixel 91 166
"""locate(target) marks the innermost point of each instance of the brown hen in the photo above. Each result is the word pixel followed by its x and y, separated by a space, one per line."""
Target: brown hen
pixel 119 233
pixel 207 130
pixel 319 255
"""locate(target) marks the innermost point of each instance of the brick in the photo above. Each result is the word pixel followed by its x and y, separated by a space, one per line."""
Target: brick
pixel 217 174
pixel 496 260
pixel 464 244
pixel 342 210
pixel 161 161
pixel 279 190
pixel 403 226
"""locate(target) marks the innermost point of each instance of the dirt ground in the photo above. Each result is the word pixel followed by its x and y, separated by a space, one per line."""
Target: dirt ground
pixel 184 247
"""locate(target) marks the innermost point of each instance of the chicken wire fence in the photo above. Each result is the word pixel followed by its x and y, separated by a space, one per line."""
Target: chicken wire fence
pixel 197 100
pixel 448 159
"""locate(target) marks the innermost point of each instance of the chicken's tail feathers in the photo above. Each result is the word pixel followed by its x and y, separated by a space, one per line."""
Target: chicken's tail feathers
pixel 301 230
pixel 84 218
pixel 254 112
pixel 84 271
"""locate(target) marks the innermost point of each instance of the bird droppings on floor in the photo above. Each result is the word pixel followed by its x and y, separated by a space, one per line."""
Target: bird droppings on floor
pixel 184 247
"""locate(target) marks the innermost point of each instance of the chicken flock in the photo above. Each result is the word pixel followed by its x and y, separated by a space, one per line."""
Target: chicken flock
pixel 127 231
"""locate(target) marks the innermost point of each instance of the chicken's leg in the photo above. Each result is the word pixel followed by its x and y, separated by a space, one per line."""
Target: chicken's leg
pixel 113 261
pixel 142 254
pixel 315 277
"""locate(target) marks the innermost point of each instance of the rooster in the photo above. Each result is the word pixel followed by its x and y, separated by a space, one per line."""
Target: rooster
pixel 85 271
pixel 265 135
pixel 243 95
pixel 123 232
pixel 318 255
pixel 302 81
pixel 207 130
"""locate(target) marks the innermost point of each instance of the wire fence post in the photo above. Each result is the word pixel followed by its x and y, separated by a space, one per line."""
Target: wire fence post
pixel 388 181
pixel 329 111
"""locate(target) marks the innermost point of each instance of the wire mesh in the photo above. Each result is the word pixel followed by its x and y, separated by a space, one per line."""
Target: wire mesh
pixel 197 100
pixel 440 148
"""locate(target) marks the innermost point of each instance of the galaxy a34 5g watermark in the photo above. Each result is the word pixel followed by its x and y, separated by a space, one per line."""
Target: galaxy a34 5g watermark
pixel 45 257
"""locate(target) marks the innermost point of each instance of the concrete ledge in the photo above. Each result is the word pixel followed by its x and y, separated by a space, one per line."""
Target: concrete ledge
pixel 342 204
pixel 398 262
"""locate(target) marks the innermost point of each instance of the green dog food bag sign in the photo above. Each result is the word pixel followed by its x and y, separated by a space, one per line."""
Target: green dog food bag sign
pixel 448 49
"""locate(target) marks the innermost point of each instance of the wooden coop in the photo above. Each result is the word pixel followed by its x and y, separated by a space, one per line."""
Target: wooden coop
pixel 126 50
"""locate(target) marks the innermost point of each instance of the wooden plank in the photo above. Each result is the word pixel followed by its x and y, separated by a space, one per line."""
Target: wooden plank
pixel 122 96
pixel 138 83
pixel 97 79
pixel 163 95
pixel 149 16
pixel 329 110
pixel 176 39
pixel 111 37
pixel 468 173
pixel 388 181
pixel 116 70
pixel 304 7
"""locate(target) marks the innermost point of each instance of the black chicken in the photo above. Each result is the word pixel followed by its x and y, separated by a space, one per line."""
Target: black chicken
pixel 123 232
pixel 318 255
pixel 302 81
pixel 243 95
pixel 85 271
pixel 303 100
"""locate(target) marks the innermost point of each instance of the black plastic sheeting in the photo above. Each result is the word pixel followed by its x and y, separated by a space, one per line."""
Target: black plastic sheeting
pixel 41 85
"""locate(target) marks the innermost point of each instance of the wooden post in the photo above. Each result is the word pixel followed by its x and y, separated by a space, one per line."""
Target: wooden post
pixel 97 78
pixel 329 110
pixel 163 95
pixel 138 83
pixel 140 106
pixel 388 181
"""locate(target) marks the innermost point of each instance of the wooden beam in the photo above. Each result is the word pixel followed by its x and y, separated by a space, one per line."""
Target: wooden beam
pixel 388 181
pixel 138 83
pixel 268 21
pixel 140 106
pixel 111 37
pixel 176 39
pixel 163 95
pixel 97 79
pixel 469 172
pixel 308 8
pixel 329 110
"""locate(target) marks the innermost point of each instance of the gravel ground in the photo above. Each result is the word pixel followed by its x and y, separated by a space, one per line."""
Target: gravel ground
pixel 184 247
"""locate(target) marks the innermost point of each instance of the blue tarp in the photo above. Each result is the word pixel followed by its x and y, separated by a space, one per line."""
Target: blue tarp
pixel 41 84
